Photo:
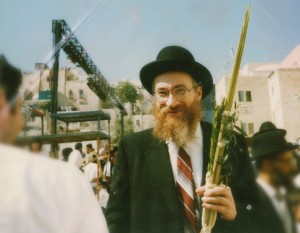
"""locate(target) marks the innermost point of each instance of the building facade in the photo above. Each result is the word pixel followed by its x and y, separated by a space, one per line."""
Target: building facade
pixel 268 92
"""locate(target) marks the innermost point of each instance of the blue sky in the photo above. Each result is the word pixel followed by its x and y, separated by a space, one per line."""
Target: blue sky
pixel 121 36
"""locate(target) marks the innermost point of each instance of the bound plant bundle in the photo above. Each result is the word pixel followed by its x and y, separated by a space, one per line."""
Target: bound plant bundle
pixel 222 134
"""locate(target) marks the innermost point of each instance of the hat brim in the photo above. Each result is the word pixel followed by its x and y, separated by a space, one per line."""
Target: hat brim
pixel 289 147
pixel 199 73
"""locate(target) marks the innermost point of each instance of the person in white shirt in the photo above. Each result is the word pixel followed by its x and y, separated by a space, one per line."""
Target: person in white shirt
pixel 76 155
pixel 90 171
pixel 103 195
pixel 38 194
pixel 43 195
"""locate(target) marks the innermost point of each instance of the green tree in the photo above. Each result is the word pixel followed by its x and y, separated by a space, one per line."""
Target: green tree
pixel 127 92
pixel 128 129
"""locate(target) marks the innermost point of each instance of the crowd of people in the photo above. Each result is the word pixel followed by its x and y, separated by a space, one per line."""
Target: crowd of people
pixel 99 176
pixel 156 180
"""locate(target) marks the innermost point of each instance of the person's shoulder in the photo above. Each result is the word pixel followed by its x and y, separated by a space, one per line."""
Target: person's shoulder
pixel 35 165
pixel 8 149
pixel 90 166
pixel 206 125
pixel 101 151
pixel 17 156
pixel 75 153
pixel 138 141
pixel 142 136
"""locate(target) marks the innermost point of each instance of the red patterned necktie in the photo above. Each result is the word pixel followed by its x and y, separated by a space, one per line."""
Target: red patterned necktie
pixel 186 189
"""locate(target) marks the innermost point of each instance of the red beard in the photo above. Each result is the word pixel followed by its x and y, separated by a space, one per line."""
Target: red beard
pixel 178 124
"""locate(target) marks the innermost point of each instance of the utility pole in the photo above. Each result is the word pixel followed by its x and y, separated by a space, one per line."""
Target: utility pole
pixel 57 35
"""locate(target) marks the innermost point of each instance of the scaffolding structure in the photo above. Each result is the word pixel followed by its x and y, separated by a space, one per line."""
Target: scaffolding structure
pixel 64 38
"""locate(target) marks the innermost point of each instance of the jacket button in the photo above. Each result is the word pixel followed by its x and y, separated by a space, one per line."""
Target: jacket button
pixel 248 207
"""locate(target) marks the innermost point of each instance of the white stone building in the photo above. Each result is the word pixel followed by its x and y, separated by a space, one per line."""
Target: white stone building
pixel 268 92
pixel 73 95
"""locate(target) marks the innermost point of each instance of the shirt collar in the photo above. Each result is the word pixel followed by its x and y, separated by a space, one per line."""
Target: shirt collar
pixel 270 190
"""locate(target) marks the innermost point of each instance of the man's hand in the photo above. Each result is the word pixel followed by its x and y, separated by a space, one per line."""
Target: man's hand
pixel 219 199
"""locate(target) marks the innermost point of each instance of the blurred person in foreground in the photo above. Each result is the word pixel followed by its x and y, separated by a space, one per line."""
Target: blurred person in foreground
pixel 276 168
pixel 159 170
pixel 38 194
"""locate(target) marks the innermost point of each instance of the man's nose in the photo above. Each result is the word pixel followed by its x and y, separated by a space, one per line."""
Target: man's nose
pixel 172 101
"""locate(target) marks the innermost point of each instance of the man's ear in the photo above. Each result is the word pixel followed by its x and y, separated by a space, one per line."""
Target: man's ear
pixel 267 165
pixel 199 92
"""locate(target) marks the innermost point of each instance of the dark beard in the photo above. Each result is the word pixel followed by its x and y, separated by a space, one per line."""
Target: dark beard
pixel 281 180
pixel 178 129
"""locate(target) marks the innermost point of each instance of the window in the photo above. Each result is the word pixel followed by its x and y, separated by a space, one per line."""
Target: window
pixel 31 119
pixel 245 96
pixel 138 122
pixel 244 127
pixel 71 96
pixel 248 96
pixel 84 124
pixel 81 94
pixel 248 128
pixel 241 96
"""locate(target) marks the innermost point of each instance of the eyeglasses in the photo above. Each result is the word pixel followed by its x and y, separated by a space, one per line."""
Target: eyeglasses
pixel 26 111
pixel 179 93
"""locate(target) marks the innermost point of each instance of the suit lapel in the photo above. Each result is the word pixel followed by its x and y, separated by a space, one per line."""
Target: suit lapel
pixel 159 161
pixel 206 132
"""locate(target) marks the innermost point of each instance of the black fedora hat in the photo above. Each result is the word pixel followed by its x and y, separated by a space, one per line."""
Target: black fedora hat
pixel 269 142
pixel 268 125
pixel 176 58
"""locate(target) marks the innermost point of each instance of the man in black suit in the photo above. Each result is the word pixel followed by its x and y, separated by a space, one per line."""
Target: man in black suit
pixel 145 193
pixel 276 167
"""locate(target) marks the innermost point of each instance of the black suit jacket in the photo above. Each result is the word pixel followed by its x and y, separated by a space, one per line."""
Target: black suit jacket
pixel 265 216
pixel 144 196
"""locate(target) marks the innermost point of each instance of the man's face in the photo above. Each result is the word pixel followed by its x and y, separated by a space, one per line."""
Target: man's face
pixel 284 168
pixel 36 147
pixel 175 82
pixel 176 106
pixel 88 150
pixel 11 120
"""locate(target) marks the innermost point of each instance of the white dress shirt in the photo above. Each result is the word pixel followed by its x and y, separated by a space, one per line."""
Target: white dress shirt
pixel 103 198
pixel 280 205
pixel 107 169
pixel 75 158
pixel 195 150
pixel 90 171
pixel 42 195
